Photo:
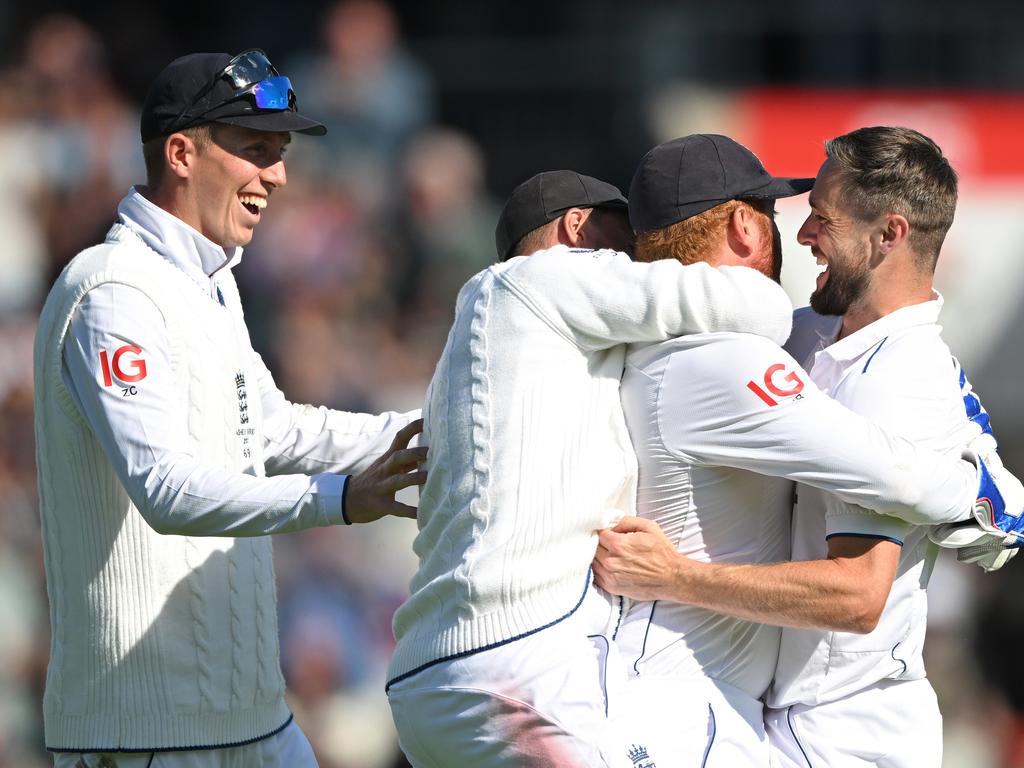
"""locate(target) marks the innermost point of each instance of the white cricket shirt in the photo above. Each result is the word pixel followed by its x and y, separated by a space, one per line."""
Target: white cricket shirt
pixel 898 373
pixel 529 454
pixel 117 366
pixel 721 422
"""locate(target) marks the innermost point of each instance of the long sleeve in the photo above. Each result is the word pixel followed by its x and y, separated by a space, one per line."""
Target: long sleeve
pixel 598 299
pixel 142 430
pixel 309 439
pixel 740 401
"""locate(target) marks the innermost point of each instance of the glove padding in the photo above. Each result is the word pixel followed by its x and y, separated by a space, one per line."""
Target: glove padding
pixel 994 532
pixel 989 551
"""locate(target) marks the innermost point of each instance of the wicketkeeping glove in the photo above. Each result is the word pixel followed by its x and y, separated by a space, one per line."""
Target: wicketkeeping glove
pixel 995 531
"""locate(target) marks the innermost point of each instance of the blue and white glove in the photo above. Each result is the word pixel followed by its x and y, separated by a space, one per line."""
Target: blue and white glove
pixel 994 532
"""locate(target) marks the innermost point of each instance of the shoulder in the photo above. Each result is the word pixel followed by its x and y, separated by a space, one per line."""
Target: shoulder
pixel 559 259
pixel 910 383
pixel 739 368
pixel 809 329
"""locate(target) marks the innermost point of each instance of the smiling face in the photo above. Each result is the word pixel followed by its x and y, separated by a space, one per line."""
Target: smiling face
pixel 231 181
pixel 840 243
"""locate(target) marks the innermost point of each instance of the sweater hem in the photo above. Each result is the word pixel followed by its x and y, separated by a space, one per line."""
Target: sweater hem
pixel 183 747
pixel 489 646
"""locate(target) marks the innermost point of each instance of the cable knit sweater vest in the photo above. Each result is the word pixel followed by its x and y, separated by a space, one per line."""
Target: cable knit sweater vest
pixel 154 636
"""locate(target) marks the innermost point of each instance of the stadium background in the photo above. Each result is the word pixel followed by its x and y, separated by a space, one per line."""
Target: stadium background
pixel 436 110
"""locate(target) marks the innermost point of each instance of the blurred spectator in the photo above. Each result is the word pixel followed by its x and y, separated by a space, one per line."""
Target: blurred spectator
pixel 371 94
pixel 447 225
pixel 23 258
pixel 89 134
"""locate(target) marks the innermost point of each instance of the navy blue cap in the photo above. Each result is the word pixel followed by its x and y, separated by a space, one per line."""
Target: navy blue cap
pixel 689 175
pixel 172 104
pixel 545 197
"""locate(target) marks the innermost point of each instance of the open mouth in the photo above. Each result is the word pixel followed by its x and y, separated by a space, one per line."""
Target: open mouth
pixel 823 275
pixel 253 203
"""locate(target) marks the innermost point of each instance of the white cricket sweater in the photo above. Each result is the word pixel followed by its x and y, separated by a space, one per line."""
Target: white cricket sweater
pixel 529 452
pixel 159 641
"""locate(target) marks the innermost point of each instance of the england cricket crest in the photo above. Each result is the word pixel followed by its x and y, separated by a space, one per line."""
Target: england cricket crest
pixel 638 754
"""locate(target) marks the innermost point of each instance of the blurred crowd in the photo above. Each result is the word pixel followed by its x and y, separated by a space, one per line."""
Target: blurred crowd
pixel 349 286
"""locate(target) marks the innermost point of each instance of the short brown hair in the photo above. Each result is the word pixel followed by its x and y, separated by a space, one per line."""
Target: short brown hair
pixel 898 170
pixel 691 240
pixel 153 151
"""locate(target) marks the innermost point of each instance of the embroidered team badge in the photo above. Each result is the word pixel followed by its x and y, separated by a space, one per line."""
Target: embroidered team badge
pixel 779 385
pixel 638 754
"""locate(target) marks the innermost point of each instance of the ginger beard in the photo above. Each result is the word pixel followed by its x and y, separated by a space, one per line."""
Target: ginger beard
pixel 770 263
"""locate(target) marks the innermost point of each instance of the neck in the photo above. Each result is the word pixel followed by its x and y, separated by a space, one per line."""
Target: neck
pixel 884 297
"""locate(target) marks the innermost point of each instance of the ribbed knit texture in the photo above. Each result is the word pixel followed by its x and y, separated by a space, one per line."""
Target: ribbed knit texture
pixel 505 552
pixel 529 452
pixel 154 637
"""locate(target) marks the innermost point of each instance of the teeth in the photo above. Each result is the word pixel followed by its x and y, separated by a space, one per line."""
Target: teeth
pixel 256 200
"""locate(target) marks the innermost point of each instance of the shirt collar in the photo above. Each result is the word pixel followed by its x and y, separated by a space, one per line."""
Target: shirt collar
pixel 175 240
pixel 856 344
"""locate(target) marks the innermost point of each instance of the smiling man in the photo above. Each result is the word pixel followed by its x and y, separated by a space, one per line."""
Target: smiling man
pixel 158 429
pixel 849 683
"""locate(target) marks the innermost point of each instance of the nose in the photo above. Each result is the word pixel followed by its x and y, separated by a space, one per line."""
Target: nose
pixel 808 232
pixel 275 175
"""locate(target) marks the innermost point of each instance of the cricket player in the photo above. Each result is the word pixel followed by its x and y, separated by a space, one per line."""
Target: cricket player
pixel 849 686
pixel 166 454
pixel 720 421
pixel 529 456
pixel 504 654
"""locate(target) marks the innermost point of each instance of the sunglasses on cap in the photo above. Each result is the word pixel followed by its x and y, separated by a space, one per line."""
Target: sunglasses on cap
pixel 252 75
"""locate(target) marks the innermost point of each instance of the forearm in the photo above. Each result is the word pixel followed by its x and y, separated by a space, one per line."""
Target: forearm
pixel 179 496
pixel 309 440
pixel 820 594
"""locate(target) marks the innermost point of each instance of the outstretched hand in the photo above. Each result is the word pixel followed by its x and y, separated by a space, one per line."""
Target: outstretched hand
pixel 370 495
pixel 637 560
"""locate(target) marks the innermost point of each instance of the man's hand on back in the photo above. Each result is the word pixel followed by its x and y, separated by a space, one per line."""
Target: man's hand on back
pixel 370 495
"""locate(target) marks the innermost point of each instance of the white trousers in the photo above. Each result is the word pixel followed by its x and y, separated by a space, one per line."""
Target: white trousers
pixel 892 724
pixel 698 722
pixel 548 700
pixel 288 748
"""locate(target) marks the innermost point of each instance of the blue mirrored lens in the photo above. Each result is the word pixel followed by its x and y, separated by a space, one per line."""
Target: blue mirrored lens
pixel 272 93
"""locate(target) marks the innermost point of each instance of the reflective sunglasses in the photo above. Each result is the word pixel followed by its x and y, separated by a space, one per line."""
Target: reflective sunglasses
pixel 253 75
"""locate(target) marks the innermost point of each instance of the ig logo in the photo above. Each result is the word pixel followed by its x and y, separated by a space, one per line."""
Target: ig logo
pixel 788 385
pixel 114 368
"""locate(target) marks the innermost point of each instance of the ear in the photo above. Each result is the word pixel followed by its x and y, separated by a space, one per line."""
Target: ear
pixel 742 233
pixel 570 227
pixel 180 155
pixel 895 230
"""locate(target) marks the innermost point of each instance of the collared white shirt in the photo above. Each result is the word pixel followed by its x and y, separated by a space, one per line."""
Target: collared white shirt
pixel 898 373
pixel 142 428
pixel 720 423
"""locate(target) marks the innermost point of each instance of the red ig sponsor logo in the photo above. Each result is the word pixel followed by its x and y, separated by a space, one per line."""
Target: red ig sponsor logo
pixel 114 365
pixel 789 385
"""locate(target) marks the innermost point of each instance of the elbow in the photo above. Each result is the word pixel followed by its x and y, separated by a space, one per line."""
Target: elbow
pixel 862 615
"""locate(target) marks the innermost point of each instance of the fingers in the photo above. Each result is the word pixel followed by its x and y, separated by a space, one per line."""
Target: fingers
pixel 406 457
pixel 403 510
pixel 406 433
pixel 631 524
pixel 398 482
